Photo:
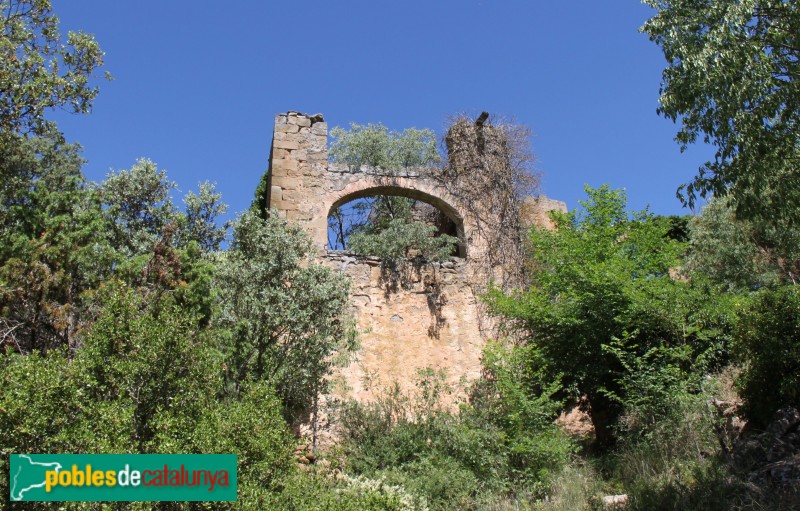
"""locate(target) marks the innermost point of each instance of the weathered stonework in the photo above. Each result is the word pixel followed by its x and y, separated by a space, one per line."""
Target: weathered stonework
pixel 305 187
pixel 424 316
pixel 535 211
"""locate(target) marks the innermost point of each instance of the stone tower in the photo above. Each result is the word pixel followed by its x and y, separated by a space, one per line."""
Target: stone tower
pixel 431 315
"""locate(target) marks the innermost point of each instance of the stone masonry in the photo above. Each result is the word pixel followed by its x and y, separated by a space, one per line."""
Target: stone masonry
pixel 429 316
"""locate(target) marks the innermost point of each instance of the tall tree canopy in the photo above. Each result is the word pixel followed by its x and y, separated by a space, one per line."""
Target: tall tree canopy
pixel 602 301
pixel 732 80
pixel 38 69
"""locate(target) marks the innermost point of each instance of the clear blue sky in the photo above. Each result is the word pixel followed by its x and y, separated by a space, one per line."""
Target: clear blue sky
pixel 198 83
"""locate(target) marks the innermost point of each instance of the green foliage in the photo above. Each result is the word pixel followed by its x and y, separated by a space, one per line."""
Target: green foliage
pixel 60 238
pixel 739 254
pixel 434 454
pixel 385 226
pixel 146 380
pixel 469 458
pixel 138 206
pixel 158 247
pixel 602 295
pixel 682 459
pixel 667 462
pixel 768 342
pixel 39 72
pixel 149 358
pixel 311 492
pixel 259 204
pixel 53 247
pixel 655 385
pixel 515 396
pixel 281 312
pixel 199 222
pixel 678 227
pixel 374 145
pixel 732 80
pixel 399 237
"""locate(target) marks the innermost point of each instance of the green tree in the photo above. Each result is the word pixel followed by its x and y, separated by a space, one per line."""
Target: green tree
pixel 146 380
pixel 768 344
pixel 397 237
pixel 157 246
pixel 53 244
pixel 138 205
pixel 199 223
pixel 733 79
pixel 283 314
pixel 517 394
pixel 741 254
pixel 375 146
pixel 61 237
pixel 602 295
pixel 38 70
pixel 374 226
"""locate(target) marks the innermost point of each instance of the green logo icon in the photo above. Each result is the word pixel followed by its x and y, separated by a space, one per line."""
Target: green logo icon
pixel 122 477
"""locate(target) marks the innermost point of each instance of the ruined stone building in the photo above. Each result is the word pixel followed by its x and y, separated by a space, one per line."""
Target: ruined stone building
pixel 430 315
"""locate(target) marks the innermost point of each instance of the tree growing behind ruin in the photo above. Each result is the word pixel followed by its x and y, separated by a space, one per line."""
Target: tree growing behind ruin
pixel 602 308
pixel 386 226
pixel 742 255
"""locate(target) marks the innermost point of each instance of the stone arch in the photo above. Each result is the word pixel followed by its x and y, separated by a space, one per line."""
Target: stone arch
pixel 413 188
pixel 305 187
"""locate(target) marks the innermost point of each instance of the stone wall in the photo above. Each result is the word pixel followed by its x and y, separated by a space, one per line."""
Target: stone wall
pixel 535 211
pixel 418 317
pixel 298 168
pixel 305 187
pixel 424 315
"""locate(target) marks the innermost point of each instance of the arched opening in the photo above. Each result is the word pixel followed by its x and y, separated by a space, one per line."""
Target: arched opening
pixel 358 208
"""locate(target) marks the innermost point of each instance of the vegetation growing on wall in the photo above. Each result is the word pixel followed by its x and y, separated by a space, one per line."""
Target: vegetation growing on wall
pixel 490 170
pixel 387 226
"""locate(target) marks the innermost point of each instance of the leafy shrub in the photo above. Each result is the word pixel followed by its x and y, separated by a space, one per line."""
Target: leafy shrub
pixel 465 459
pixel 414 442
pixel 374 145
pixel 515 397
pixel 768 342
pixel 399 237
pixel 282 317
pixel 741 254
pixel 602 294
pixel 314 492
pixel 145 381
pixel 384 226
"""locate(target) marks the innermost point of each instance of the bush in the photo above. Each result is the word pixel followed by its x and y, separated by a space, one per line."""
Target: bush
pixel 145 381
pixel 313 492
pixel 399 237
pixel 282 316
pixel 768 342
pixel 414 442
pixel 482 454
pixel 515 396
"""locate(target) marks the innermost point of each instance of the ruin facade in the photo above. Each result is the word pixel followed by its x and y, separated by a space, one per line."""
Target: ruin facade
pixel 430 315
